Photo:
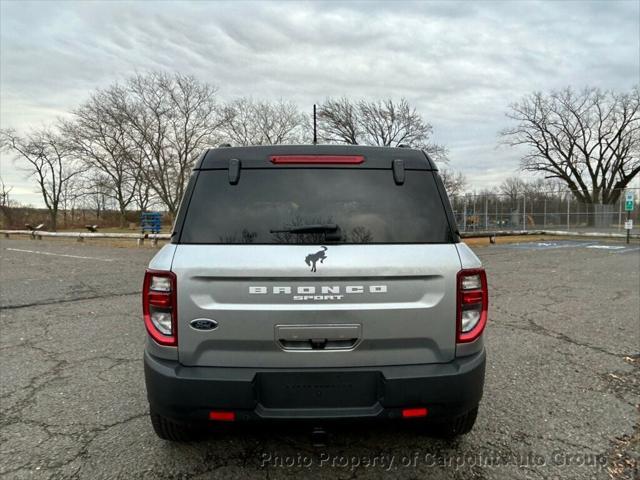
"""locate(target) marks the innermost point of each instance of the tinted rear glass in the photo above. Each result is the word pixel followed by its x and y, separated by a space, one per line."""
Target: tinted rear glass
pixel 367 205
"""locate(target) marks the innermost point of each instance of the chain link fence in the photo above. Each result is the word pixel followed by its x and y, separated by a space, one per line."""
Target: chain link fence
pixel 533 210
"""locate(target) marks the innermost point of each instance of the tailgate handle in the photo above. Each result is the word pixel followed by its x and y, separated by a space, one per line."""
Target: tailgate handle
pixel 318 337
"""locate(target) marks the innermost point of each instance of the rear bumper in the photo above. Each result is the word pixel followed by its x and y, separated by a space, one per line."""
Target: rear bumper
pixel 189 393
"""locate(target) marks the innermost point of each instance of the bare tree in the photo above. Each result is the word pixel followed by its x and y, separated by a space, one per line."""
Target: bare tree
pixel 99 134
pixel 5 192
pixel 589 140
pixel 171 119
pixel 338 121
pixel 553 187
pixel 49 159
pixel 70 195
pixel 384 123
pixel 390 124
pixel 97 191
pixel 513 188
pixel 6 203
pixel 454 182
pixel 252 122
pixel 144 196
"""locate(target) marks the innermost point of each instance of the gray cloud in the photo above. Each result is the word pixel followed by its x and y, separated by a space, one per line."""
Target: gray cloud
pixel 460 63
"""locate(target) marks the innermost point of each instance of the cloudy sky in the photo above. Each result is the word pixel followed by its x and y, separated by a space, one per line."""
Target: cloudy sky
pixel 459 63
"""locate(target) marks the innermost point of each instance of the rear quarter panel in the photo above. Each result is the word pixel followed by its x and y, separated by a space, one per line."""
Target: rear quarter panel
pixel 468 259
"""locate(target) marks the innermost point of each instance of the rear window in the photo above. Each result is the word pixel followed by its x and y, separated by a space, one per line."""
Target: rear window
pixel 367 205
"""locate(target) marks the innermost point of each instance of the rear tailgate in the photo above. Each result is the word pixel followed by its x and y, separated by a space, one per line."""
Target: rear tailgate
pixel 366 305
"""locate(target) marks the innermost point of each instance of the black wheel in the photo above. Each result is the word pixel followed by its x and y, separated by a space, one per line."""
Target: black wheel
pixel 167 429
pixel 457 426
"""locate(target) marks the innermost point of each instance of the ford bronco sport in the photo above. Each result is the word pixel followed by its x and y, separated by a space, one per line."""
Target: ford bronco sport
pixel 314 282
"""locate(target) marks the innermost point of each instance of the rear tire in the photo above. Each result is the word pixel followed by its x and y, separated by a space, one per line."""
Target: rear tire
pixel 457 426
pixel 167 429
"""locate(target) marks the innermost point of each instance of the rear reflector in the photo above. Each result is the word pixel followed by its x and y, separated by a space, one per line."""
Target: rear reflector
pixel 222 416
pixel 414 412
pixel 319 159
pixel 162 300
pixel 472 297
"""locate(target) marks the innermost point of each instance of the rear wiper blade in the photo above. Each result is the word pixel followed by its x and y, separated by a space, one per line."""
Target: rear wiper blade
pixel 320 228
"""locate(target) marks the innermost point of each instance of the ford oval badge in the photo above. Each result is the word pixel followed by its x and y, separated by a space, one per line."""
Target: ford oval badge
pixel 203 324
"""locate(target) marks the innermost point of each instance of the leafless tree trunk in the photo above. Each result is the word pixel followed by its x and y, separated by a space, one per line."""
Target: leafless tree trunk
pixel 143 196
pixel 5 192
pixel 589 140
pixel 50 160
pixel 70 192
pixel 97 190
pixel 6 204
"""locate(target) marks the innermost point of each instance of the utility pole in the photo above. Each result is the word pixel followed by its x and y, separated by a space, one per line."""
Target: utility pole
pixel 315 126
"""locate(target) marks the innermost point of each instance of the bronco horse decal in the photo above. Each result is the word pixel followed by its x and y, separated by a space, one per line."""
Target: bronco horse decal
pixel 313 258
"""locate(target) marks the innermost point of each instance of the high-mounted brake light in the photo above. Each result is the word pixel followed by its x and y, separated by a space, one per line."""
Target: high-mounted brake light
pixel 159 306
pixel 319 159
pixel 473 302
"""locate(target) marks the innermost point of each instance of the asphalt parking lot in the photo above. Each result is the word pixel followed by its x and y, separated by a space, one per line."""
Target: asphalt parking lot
pixel 561 397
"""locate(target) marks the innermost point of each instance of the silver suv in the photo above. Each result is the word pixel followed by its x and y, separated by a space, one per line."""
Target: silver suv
pixel 314 282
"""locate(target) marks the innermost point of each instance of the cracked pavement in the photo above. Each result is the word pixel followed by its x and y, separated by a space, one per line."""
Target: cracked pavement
pixel 561 395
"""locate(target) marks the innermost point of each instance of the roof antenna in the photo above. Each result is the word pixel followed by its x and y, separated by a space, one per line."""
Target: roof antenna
pixel 315 126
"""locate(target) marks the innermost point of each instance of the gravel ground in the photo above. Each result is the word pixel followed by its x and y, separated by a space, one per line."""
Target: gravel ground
pixel 561 395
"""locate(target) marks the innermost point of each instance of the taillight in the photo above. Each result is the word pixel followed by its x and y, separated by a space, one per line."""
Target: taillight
pixel 159 306
pixel 321 159
pixel 473 301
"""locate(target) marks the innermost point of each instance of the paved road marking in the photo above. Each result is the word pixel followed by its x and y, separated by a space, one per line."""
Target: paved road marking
pixel 550 245
pixel 627 250
pixel 572 244
pixel 60 255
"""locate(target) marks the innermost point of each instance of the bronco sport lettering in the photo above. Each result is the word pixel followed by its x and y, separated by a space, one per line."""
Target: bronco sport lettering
pixel 334 292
